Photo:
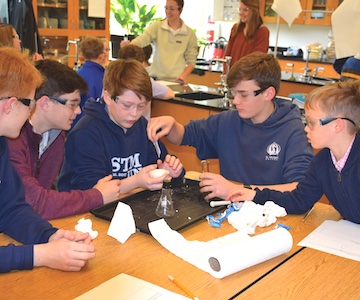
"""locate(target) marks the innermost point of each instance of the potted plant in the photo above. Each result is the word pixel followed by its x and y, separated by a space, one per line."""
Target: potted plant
pixel 131 16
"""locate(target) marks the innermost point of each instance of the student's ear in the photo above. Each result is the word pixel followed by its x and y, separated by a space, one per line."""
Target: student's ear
pixel 43 103
pixel 270 93
pixel 107 97
pixel 9 104
pixel 339 125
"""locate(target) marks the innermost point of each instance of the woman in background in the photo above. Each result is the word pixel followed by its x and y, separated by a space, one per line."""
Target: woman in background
pixel 10 38
pixel 249 34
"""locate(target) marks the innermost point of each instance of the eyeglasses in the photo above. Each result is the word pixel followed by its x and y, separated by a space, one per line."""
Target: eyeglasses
pixel 26 101
pixel 69 103
pixel 15 36
pixel 245 9
pixel 130 107
pixel 172 8
pixel 312 122
pixel 245 94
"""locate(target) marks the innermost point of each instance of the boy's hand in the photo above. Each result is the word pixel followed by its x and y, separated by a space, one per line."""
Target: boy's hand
pixel 159 127
pixel 146 181
pixel 215 185
pixel 63 254
pixel 109 188
pixel 241 194
pixel 172 164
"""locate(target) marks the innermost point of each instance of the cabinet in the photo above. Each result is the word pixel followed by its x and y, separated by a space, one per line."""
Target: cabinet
pixel 327 69
pixel 270 16
pixel 314 12
pixel 61 21
pixel 210 79
pixel 318 7
pixel 226 10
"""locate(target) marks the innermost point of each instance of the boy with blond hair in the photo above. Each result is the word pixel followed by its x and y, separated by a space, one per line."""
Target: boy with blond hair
pixel 333 122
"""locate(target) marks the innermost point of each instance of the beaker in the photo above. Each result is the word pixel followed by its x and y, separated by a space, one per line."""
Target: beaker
pixel 165 207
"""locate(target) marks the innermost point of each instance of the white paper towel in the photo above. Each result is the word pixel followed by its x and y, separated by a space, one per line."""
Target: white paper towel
pixel 250 252
pixel 122 224
pixel 230 253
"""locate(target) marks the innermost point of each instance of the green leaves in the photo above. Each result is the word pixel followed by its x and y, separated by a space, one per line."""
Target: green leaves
pixel 131 16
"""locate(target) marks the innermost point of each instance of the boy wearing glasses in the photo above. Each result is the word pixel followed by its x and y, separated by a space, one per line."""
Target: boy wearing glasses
pixel 42 244
pixel 333 118
pixel 38 153
pixel 111 138
pixel 261 143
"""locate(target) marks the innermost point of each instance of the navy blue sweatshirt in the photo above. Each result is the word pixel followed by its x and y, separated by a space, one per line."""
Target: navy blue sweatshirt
pixel 17 218
pixel 341 188
pixel 97 147
pixel 273 152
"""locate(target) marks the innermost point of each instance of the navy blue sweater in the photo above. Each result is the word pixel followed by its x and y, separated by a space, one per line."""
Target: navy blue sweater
pixel 273 152
pixel 17 218
pixel 97 147
pixel 342 189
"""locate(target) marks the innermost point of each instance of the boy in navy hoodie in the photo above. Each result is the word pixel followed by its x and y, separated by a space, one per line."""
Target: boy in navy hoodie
pixel 43 245
pixel 261 143
pixel 111 138
pixel 333 122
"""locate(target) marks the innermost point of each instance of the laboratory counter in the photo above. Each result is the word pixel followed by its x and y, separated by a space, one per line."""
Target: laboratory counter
pixel 292 75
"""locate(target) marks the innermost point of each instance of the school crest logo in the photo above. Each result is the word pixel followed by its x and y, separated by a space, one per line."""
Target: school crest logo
pixel 273 151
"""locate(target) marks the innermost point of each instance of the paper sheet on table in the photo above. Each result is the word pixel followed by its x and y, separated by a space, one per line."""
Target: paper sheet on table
pixel 126 287
pixel 225 255
pixel 340 238
pixel 164 82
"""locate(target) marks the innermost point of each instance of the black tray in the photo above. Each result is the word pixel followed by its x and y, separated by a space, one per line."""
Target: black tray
pixel 189 205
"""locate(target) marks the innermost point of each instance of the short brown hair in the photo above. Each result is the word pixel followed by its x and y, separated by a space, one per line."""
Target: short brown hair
pixel 127 74
pixel 263 68
pixel 54 84
pixel 131 51
pixel 341 99
pixel 180 3
pixel 91 47
pixel 18 75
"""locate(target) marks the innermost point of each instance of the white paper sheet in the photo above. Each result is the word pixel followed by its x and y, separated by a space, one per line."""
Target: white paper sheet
pixel 345 22
pixel 97 8
pixel 168 83
pixel 225 255
pixel 126 287
pixel 289 10
pixel 340 238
